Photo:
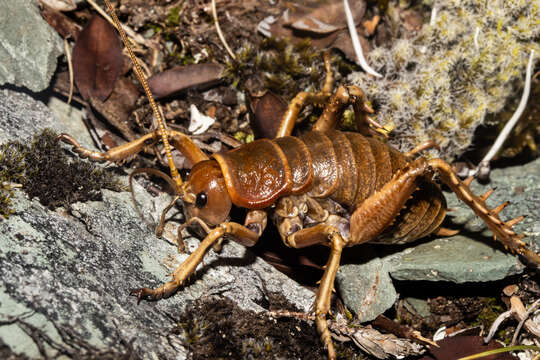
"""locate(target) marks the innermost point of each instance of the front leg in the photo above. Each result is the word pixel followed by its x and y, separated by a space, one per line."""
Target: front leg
pixel 238 233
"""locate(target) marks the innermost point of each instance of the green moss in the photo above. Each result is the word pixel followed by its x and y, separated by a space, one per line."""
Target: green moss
pixel 491 310
pixel 6 193
pixel 45 172
pixel 277 65
pixel 174 16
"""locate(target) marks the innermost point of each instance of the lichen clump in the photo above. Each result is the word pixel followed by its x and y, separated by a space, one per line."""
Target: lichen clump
pixel 44 171
pixel 468 63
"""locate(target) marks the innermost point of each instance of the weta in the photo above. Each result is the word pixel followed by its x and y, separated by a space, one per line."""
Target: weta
pixel 328 187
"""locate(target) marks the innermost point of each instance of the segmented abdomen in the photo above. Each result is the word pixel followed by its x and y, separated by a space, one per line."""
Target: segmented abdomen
pixel 348 168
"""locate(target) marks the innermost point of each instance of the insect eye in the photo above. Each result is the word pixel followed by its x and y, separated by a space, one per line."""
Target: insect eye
pixel 201 200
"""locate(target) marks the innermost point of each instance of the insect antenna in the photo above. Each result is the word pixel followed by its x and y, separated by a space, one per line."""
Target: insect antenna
pixel 161 123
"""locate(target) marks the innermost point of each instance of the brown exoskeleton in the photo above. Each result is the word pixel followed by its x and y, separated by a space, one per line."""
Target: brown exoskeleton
pixel 325 187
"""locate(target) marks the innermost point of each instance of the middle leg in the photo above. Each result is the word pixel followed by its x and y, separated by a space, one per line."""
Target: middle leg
pixel 330 236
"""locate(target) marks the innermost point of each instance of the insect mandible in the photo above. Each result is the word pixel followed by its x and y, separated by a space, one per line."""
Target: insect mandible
pixel 325 187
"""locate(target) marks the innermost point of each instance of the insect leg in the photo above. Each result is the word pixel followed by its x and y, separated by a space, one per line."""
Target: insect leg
pixel 330 236
pixel 179 140
pixel 115 154
pixel 239 233
pixel 378 211
pixel 303 98
pixel 430 144
pixel 333 111
pixel 502 230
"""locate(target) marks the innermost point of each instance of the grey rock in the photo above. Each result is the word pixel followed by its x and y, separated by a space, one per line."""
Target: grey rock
pixel 366 289
pixel 22 117
pixel 66 275
pixel 29 47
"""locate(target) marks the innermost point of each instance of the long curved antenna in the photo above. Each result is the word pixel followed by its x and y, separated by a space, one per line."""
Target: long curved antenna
pixel 161 123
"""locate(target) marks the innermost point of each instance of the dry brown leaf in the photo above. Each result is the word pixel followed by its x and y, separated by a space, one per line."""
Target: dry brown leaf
pixel 267 113
pixel 325 24
pixel 117 108
pixel 66 27
pixel 179 78
pixel 97 59
pixel 455 347
pixel 329 17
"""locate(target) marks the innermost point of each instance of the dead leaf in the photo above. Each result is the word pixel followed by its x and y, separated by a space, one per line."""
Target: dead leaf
pixel 117 108
pixel 267 113
pixel 97 59
pixel 326 25
pixel 66 27
pixel 179 78
pixel 455 347
pixel 60 5
pixel 329 17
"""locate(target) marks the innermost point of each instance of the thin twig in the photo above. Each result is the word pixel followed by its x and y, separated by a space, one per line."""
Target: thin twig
pixel 356 42
pixel 218 29
pixel 483 168
pixel 498 321
pixel 531 309
pixel 70 69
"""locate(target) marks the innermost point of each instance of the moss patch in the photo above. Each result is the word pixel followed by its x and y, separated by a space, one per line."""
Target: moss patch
pixel 45 172
pixel 216 328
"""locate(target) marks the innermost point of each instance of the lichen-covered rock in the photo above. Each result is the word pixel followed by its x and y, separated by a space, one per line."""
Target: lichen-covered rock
pixel 66 275
pixel 29 46
pixel 441 85
pixel 22 117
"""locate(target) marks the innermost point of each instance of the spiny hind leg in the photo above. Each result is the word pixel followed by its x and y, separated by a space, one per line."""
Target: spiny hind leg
pixel 502 230
pixel 240 234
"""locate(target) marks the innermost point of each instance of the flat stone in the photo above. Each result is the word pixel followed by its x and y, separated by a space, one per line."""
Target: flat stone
pixel 22 117
pixel 366 289
pixel 29 48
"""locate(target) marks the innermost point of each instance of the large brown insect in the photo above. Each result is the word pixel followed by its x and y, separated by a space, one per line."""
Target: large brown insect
pixel 325 187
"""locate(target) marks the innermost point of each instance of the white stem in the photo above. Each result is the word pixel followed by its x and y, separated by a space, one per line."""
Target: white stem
pixel 505 315
pixel 356 42
pixel 220 33
pixel 433 16
pixel 476 33
pixel 513 120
